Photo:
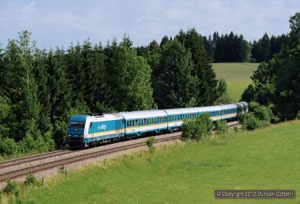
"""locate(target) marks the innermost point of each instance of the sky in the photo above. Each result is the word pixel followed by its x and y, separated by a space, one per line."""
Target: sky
pixel 59 23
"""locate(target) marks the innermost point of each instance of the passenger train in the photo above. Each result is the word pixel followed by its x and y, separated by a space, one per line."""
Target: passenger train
pixel 92 130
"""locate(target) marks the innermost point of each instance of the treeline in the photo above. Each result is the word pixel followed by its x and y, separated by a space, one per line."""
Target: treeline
pixel 234 48
pixel 41 89
pixel 276 83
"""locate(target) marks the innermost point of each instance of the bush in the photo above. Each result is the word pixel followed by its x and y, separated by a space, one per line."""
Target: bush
pixel 8 146
pixel 27 144
pixel 261 117
pixel 63 170
pixel 298 116
pixel 11 187
pixel 250 122
pixel 189 129
pixel 150 144
pixel 253 106
pixel 221 127
pixel 31 180
pixel 197 128
pixel 263 113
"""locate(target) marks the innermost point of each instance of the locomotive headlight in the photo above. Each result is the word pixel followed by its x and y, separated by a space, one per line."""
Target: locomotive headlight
pixel 69 135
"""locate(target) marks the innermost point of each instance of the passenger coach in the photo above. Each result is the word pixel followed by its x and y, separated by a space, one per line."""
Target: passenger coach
pixel 84 130
pixel 140 123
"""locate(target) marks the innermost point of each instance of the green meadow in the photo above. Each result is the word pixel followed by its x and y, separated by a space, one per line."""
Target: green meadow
pixel 236 75
pixel 186 172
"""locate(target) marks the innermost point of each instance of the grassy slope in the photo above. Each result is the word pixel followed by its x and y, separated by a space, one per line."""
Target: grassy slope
pixel 237 76
pixel 188 173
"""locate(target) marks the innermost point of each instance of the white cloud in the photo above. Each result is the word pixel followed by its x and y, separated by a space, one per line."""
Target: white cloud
pixel 55 23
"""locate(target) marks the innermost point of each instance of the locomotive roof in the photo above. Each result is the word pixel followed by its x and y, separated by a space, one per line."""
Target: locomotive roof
pixel 78 118
pixel 143 114
pixel 103 117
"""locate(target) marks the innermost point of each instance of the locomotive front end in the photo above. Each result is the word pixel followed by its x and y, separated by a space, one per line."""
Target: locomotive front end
pixel 75 131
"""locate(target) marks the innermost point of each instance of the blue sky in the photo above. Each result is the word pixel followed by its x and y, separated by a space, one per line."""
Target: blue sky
pixel 58 23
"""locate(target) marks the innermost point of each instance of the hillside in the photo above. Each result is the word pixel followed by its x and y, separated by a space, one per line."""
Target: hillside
pixel 237 76
pixel 186 172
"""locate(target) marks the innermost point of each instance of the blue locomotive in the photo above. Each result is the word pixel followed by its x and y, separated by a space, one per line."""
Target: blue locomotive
pixel 87 130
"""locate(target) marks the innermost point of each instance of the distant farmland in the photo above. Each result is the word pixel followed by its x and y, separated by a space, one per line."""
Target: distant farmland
pixel 237 76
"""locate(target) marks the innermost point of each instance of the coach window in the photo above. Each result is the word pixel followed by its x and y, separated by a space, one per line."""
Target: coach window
pixel 145 121
pixel 91 125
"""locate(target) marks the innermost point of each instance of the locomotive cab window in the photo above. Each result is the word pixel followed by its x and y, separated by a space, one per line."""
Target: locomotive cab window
pixel 76 125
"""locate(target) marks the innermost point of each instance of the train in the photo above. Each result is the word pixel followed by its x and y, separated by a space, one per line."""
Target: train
pixel 93 130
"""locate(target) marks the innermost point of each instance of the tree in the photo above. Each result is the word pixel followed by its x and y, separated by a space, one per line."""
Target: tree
pixel 19 86
pixel 153 55
pixel 176 86
pixel 206 88
pixel 86 74
pixel 41 76
pixel 130 78
pixel 232 48
pixel 60 94
pixel 277 83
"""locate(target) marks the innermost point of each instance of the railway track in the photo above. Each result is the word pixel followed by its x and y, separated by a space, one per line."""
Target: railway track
pixel 14 169
pixel 13 162
pixel 21 167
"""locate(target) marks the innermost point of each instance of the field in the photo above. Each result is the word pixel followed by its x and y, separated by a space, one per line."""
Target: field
pixel 186 172
pixel 236 75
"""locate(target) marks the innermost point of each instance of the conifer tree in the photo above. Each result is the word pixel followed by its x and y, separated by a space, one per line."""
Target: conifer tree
pixel 207 84
pixel 129 78
pixel 176 85
pixel 60 94
pixel 20 87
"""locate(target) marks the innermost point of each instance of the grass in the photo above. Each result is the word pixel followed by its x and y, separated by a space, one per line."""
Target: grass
pixel 236 75
pixel 187 172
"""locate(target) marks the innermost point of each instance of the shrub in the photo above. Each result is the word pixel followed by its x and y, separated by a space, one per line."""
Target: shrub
pixel 150 144
pixel 63 170
pixel 8 146
pixel 11 187
pixel 250 122
pixel 263 113
pixel 27 144
pixel 298 116
pixel 221 127
pixel 31 180
pixel 253 105
pixel 189 129
pixel 197 128
pixel 261 117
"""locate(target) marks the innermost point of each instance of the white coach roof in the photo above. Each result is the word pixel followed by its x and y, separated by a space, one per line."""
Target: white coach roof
pixel 143 114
